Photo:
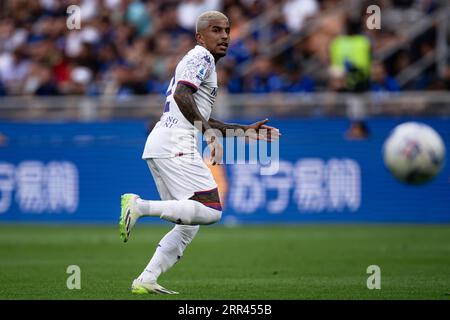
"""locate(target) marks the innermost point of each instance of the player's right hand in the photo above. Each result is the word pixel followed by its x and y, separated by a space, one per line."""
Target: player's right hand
pixel 260 131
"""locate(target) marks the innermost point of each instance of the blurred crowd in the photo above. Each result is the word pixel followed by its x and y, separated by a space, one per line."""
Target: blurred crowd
pixel 127 47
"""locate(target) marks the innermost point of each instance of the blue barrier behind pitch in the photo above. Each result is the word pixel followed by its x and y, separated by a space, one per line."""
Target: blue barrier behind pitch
pixel 76 172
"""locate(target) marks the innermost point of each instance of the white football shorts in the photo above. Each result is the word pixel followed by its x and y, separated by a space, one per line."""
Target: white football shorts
pixel 178 178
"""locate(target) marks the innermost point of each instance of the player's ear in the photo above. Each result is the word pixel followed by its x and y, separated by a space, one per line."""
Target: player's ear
pixel 199 38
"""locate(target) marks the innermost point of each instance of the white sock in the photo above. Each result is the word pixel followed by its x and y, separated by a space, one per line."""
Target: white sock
pixel 188 212
pixel 170 249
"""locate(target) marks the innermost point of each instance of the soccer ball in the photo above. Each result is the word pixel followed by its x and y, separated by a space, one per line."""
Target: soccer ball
pixel 414 153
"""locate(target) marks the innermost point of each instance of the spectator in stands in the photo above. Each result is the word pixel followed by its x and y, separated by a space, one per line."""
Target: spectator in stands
pixel 255 8
pixel 108 56
pixel 124 82
pixel 295 81
pixel 3 140
pixel 62 74
pixel 337 81
pixel 351 51
pixel 14 69
pixel 380 81
pixel 358 130
pixel 138 16
pixel 127 46
pixel 263 79
pixel 240 51
pixel 88 57
pixel 80 80
pixel 399 62
pixel 240 22
pixel 189 10
pixel 233 83
pixel 161 83
pixel 296 12
pixel 39 81
pixel 168 22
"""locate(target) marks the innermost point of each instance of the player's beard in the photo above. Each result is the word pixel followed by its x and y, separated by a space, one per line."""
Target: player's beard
pixel 220 54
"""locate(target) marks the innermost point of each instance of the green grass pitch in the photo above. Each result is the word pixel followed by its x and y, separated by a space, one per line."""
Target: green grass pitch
pixel 245 262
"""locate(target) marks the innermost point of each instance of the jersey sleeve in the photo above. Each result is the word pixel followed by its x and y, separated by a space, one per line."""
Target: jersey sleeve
pixel 195 69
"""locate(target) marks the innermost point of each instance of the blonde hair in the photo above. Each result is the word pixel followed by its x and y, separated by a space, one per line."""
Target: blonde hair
pixel 203 19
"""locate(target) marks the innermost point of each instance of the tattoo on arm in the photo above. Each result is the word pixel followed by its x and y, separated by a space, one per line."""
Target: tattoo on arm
pixel 185 100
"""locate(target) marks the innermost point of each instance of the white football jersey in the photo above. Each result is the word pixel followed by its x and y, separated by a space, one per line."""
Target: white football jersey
pixel 174 134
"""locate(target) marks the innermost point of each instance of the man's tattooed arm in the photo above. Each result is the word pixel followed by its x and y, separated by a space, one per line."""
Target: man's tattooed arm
pixel 185 100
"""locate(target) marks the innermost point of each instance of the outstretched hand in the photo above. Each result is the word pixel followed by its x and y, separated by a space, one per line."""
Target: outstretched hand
pixel 259 131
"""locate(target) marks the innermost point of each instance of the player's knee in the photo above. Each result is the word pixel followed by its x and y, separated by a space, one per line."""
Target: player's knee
pixel 218 215
pixel 210 202
pixel 213 215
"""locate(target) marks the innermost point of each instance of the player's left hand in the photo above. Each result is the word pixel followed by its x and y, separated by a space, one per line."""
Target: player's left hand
pixel 259 131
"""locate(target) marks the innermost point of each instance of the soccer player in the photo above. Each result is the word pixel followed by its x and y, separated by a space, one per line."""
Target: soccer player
pixel 189 195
